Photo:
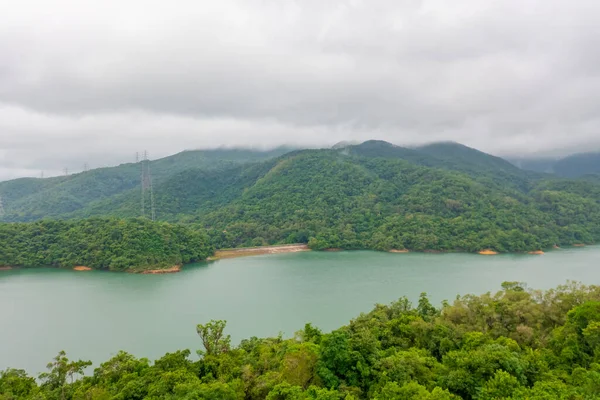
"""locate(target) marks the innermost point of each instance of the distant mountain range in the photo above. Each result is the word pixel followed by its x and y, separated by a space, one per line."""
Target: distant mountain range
pixel 443 196
pixel 572 166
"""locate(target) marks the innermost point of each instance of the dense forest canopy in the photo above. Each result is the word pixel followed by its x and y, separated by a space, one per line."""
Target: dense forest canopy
pixel 374 195
pixel 101 243
pixel 515 344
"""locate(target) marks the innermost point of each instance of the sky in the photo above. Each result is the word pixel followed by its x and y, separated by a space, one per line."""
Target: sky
pixel 93 82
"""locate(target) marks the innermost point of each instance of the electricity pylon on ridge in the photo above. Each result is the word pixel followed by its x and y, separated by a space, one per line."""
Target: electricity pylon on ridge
pixel 1 208
pixel 147 189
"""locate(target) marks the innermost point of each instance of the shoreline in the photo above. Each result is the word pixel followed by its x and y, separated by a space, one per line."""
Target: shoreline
pixel 256 251
pixel 170 270
pixel 293 248
pixel 296 248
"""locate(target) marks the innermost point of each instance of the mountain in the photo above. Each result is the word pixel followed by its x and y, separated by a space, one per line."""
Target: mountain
pixel 29 199
pixel 573 166
pixel 369 196
pixel 486 168
pixel 578 165
pixel 335 200
pixel 457 153
pixel 543 165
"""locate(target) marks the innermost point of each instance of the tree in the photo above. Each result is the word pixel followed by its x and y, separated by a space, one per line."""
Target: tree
pixel 61 370
pixel 213 339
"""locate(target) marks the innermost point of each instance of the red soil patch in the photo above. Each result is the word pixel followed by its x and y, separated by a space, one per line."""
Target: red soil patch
pixel 5 267
pixel 488 252
pixel 579 245
pixel 82 268
pixel 398 251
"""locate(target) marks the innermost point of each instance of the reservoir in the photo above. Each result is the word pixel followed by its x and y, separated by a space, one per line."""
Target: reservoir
pixel 93 314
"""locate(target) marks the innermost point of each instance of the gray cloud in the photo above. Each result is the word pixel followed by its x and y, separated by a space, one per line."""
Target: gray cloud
pixel 81 84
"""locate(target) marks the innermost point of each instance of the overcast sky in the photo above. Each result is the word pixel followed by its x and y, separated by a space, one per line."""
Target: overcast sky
pixel 95 81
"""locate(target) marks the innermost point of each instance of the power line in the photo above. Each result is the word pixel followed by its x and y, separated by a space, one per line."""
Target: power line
pixel 143 189
pixel 147 189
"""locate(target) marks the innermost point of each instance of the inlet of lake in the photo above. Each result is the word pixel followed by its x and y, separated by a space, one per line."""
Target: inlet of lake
pixel 93 314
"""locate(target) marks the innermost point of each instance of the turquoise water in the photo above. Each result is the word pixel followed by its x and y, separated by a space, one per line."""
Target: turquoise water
pixel 93 314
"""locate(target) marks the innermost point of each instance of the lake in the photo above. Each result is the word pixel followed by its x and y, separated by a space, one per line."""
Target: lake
pixel 93 314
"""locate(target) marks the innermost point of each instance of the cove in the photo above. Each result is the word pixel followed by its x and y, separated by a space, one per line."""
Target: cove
pixel 93 314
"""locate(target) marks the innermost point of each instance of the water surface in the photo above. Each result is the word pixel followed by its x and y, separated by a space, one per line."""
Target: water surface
pixel 93 314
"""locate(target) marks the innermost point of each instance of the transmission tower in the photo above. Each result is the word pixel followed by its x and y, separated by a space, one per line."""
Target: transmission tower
pixel 66 171
pixel 1 208
pixel 147 189
pixel 86 167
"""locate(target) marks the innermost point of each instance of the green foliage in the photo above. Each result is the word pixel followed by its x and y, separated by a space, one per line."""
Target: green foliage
pixel 334 200
pixel 441 197
pixel 514 344
pixel 30 199
pixel 101 243
pixel 213 339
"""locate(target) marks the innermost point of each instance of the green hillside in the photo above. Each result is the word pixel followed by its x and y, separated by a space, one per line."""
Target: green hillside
pixel 101 243
pixel 485 168
pixel 184 193
pixel 442 197
pixel 335 200
pixel 29 199
pixel 457 153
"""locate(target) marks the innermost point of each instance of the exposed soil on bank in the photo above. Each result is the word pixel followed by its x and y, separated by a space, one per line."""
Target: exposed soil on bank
pixel 5 268
pixel 538 252
pixel 171 270
pixel 81 268
pixel 293 248
pixel 255 251
pixel 488 252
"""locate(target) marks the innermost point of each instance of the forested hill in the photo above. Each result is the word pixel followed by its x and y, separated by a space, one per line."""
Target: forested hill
pixel 29 199
pixel 491 170
pixel 332 199
pixel 516 344
pixel 369 196
pixel 101 243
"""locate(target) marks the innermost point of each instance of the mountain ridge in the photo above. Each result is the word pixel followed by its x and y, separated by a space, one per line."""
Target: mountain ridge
pixel 374 195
